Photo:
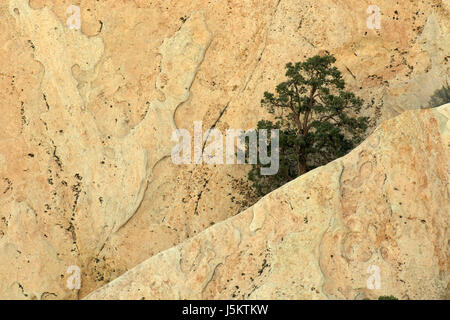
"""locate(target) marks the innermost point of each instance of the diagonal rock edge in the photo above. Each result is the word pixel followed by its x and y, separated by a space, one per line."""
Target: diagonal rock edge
pixel 130 159
pixel 385 204
pixel 28 181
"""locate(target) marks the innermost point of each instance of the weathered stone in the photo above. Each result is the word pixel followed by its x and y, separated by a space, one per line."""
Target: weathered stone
pixel 385 206
pixel 86 115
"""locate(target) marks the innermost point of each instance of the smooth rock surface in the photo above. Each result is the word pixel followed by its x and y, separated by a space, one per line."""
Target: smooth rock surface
pixel 384 206
pixel 86 116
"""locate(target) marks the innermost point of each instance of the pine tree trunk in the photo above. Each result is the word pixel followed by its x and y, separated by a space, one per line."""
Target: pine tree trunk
pixel 302 169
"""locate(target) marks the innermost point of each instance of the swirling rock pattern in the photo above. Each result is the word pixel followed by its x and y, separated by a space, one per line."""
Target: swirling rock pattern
pixel 86 117
pixel 385 205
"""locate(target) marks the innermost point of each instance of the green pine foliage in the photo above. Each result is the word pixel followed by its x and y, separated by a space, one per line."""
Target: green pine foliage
pixel 317 118
pixel 440 97
pixel 387 298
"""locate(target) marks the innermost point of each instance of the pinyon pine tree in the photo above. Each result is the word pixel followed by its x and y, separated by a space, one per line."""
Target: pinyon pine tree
pixel 316 117
pixel 439 97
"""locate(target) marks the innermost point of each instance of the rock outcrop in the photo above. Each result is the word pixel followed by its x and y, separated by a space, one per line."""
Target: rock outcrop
pixel 86 116
pixel 384 208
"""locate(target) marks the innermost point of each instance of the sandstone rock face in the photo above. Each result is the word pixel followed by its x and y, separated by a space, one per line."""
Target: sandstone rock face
pixel 86 116
pixel 385 206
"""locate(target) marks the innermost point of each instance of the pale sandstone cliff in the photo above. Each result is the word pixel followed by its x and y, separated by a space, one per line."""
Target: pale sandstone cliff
pixel 86 115
pixel 386 204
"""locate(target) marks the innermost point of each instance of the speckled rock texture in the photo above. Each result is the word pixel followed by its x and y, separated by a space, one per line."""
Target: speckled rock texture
pixel 86 116
pixel 385 205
